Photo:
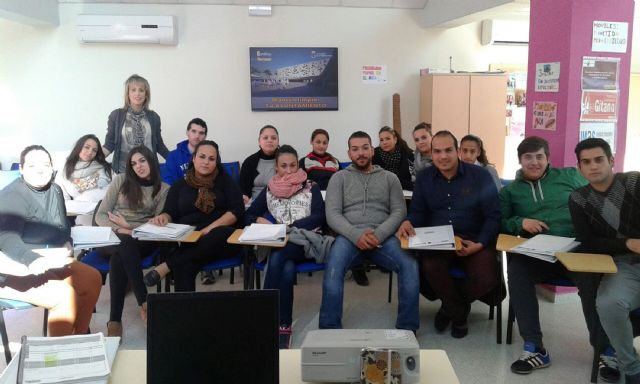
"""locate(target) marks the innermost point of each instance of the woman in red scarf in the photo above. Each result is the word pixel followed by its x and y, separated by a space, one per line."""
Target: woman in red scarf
pixel 291 199
pixel 208 199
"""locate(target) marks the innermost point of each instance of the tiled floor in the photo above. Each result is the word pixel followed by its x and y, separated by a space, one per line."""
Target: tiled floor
pixel 477 359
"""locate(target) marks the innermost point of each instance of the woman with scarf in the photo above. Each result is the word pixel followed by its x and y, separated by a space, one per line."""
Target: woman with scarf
pixel 395 156
pixel 133 125
pixel 319 164
pixel 132 199
pixel 211 201
pixel 291 199
pixel 86 174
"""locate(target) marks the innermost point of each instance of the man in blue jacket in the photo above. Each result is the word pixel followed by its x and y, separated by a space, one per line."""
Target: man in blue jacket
pixel 178 160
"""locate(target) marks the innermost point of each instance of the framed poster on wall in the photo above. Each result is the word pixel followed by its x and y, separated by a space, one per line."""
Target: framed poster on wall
pixel 294 79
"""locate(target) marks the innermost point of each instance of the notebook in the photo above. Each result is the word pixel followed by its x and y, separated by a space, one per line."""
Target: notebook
pixel 213 337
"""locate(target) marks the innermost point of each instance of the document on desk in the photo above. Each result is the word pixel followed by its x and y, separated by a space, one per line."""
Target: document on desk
pixel 66 359
pixel 544 247
pixel 75 207
pixel 93 237
pixel 263 233
pixel 171 231
pixel 436 238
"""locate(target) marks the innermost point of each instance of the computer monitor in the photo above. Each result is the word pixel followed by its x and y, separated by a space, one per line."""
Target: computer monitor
pixel 213 337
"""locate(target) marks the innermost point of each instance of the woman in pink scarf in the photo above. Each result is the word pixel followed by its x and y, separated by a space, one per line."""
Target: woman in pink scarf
pixel 293 200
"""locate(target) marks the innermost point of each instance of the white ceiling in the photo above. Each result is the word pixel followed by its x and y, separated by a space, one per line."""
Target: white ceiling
pixel 406 4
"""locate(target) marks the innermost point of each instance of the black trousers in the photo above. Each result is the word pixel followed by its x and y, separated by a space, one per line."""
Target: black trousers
pixel 189 259
pixel 125 263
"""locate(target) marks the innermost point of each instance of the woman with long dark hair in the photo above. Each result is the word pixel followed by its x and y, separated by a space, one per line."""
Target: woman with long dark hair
pixel 208 199
pixel 86 173
pixel 472 152
pixel 395 156
pixel 133 198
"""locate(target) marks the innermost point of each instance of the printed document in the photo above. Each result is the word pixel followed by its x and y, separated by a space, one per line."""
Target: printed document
pixel 263 233
pixel 93 237
pixel 75 207
pixel 437 238
pixel 171 231
pixel 544 247
pixel 65 359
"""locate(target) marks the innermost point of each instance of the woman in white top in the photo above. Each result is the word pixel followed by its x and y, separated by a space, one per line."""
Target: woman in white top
pixel 86 173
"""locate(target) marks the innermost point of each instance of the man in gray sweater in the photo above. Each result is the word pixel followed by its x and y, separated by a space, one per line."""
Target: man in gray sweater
pixel 364 206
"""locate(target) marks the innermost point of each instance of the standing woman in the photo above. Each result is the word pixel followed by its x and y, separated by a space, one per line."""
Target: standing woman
pixel 422 136
pixel 291 199
pixel 86 173
pixel 472 152
pixel 395 156
pixel 133 125
pixel 33 217
pixel 319 164
pixel 208 199
pixel 133 198
pixel 258 168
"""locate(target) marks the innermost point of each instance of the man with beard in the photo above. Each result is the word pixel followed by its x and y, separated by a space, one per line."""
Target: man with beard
pixel 462 195
pixel 364 206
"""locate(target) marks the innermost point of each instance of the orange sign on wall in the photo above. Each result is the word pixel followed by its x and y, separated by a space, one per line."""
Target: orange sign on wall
pixel 599 106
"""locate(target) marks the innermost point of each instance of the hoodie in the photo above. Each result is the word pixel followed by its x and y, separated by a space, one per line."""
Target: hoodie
pixel 177 163
pixel 357 201
pixel 546 199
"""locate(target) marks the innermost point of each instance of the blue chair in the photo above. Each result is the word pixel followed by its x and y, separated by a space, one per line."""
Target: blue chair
pixel 232 169
pixel 7 304
pixel 505 182
pixel 306 267
pixel 344 164
pixel 101 263
pixel 7 177
pixel 15 166
pixel 230 263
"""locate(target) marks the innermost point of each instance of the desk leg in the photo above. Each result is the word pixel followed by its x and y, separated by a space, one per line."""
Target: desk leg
pixel 248 265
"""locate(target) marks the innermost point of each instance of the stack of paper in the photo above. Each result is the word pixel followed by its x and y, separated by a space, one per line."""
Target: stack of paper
pixel 171 231
pixel 67 359
pixel 93 237
pixel 75 207
pixel 544 247
pixel 437 238
pixel 263 233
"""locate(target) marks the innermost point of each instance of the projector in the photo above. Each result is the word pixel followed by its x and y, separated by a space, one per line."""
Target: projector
pixel 334 355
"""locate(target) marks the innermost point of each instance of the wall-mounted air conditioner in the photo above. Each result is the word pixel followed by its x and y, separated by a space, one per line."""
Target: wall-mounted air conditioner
pixel 505 32
pixel 127 29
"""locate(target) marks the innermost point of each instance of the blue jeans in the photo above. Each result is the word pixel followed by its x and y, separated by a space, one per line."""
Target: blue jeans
pixel 281 274
pixel 344 254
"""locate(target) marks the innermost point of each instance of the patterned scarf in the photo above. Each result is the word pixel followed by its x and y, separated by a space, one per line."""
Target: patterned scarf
pixel 138 131
pixel 391 160
pixel 206 198
pixel 283 187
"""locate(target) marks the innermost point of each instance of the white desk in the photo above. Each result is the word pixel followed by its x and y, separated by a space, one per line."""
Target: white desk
pixel 130 367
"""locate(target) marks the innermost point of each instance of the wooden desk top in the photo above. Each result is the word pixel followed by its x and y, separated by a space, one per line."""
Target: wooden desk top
pixel 130 366
pixel 587 262
pixel 235 239
pixel 404 244
pixel 576 262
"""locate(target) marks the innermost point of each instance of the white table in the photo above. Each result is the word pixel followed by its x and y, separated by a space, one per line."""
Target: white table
pixel 130 367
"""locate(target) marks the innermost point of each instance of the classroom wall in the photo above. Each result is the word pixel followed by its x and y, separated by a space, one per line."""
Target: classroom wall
pixel 54 89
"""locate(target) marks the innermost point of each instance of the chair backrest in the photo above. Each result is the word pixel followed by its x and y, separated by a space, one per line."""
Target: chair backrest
pixel 505 182
pixel 15 166
pixel 232 169
pixel 344 164
pixel 7 177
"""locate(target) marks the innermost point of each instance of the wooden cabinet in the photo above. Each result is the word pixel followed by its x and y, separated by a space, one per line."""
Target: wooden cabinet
pixel 467 103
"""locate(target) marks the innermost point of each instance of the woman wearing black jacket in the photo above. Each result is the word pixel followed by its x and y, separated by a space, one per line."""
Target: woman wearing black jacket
pixel 208 199
pixel 259 168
